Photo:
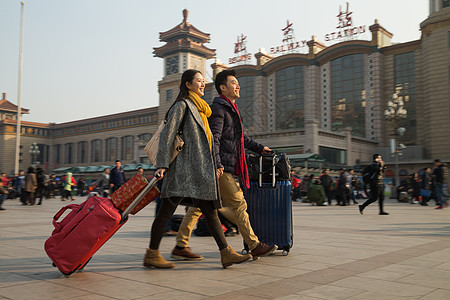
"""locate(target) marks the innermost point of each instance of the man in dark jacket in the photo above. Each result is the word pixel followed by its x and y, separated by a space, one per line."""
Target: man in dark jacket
pixel 377 168
pixel 117 177
pixel 344 188
pixel 326 181
pixel 438 179
pixel 229 147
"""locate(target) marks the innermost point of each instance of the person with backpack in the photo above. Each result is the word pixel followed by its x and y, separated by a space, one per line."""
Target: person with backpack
pixel 373 175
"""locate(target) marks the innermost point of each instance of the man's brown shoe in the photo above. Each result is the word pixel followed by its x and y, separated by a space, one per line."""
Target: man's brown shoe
pixel 185 254
pixel 263 250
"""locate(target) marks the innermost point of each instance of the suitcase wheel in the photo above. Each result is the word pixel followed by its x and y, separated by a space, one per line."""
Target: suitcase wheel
pixel 53 264
pixel 285 252
pixel 244 252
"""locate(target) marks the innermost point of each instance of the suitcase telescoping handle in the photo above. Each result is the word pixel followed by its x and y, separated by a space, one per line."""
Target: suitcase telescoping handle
pixel 271 154
pixel 141 195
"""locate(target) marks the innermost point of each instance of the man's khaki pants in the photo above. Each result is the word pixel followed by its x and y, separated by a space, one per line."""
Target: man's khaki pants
pixel 234 209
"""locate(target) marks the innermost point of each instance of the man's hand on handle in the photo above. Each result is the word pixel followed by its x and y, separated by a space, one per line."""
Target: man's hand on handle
pixel 266 150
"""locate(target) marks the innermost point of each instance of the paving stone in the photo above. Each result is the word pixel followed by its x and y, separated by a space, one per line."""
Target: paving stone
pixel 437 295
pixel 384 287
pixel 331 292
pixel 337 254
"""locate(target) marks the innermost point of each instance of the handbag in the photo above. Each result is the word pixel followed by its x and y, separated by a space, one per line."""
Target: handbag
pixel 152 146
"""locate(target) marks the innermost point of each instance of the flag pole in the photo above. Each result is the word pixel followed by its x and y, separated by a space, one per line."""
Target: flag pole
pixel 19 93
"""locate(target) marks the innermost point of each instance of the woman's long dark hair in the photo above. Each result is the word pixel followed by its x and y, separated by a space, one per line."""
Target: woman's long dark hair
pixel 188 76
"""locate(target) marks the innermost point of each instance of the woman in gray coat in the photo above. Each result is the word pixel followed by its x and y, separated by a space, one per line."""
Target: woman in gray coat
pixel 192 176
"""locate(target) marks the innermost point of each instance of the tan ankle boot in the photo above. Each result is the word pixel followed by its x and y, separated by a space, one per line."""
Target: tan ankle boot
pixel 229 257
pixel 154 259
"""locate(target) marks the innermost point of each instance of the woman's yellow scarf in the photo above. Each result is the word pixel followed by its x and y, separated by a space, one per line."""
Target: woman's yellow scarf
pixel 205 112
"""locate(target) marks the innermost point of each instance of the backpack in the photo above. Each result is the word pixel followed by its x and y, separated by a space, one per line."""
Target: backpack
pixel 202 227
pixel 283 167
pixel 367 174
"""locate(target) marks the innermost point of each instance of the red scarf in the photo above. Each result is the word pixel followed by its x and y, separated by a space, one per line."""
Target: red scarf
pixel 241 164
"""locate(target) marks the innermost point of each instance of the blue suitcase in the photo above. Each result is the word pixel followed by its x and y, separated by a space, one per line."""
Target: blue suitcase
pixel 270 212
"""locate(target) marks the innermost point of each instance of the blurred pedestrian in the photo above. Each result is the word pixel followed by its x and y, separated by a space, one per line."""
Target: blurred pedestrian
pixel 377 168
pixel 40 191
pixel 101 186
pixel 316 193
pixel 19 185
pixel 344 188
pixel 326 181
pixel 415 188
pixel 438 178
pixel 68 182
pixel 30 186
pixel 3 191
pixel 117 177
pixel 426 186
pixel 140 171
pixel 295 186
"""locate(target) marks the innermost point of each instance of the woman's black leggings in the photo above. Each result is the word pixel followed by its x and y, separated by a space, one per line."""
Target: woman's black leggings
pixel 168 207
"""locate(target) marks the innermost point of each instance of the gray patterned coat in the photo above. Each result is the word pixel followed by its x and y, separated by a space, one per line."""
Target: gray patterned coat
pixel 193 173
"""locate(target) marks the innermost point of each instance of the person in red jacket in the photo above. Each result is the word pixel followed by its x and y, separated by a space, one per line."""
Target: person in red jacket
pixel 295 186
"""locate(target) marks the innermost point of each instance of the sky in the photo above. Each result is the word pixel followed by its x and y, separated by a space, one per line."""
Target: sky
pixel 88 58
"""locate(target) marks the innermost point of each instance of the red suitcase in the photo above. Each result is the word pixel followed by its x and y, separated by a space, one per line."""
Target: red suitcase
pixel 85 229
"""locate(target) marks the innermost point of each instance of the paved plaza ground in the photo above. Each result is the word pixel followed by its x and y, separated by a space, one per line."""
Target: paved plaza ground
pixel 337 254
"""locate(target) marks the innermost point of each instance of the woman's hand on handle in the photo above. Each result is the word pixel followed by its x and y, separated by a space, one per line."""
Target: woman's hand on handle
pixel 219 172
pixel 160 173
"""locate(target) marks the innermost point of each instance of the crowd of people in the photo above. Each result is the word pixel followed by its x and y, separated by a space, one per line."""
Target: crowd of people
pixel 347 188
pixel 424 186
pixel 35 185
pixel 344 189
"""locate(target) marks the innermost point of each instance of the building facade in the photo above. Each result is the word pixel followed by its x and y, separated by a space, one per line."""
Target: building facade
pixel 329 101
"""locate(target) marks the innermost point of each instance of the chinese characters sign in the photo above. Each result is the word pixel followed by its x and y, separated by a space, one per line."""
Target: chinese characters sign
pixel 240 50
pixel 289 42
pixel 345 26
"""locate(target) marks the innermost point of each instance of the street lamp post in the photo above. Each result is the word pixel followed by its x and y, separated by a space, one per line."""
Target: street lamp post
pixel 34 151
pixel 396 113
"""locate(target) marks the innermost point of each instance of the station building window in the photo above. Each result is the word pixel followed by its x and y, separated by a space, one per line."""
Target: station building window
pixel 245 101
pixel 111 149
pixel 82 152
pixel 348 97
pixel 43 153
pixel 290 98
pixel 127 147
pixel 68 153
pixel 96 151
pixel 405 85
pixel 57 153
pixel 333 155
pixel 144 137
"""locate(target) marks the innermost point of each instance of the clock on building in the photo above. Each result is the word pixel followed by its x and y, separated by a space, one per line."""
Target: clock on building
pixel 172 65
